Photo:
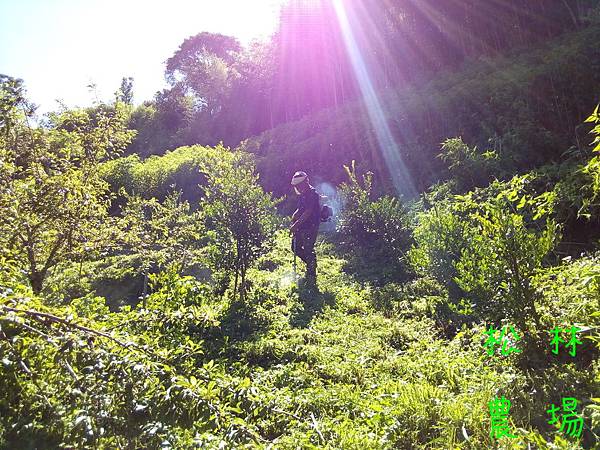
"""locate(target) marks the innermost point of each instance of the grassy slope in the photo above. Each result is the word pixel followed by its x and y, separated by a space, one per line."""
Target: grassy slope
pixel 332 371
pixel 338 369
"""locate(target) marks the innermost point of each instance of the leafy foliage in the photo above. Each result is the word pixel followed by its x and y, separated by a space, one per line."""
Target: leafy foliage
pixel 467 166
pixel 351 377
pixel 497 266
pixel 505 105
pixel 383 355
pixel 143 385
pixel 13 104
pixel 241 219
pixel 53 201
pixel 376 232
pixel 486 246
pixel 593 166
pixel 305 67
pixel 182 169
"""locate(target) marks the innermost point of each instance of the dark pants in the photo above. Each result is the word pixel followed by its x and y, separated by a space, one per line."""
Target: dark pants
pixel 304 248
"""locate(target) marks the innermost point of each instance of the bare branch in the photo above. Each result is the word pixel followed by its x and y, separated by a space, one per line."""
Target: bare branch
pixel 43 317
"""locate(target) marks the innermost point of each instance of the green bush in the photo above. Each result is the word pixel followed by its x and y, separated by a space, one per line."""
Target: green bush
pixel 486 246
pixel 496 268
pixel 375 233
pixel 146 238
pixel 240 218
pixel 440 236
pixel 468 167
pixel 593 166
pixel 183 169
pixel 82 377
pixel 571 291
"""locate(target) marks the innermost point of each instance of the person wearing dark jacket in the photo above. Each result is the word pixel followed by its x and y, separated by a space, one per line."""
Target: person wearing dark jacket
pixel 305 225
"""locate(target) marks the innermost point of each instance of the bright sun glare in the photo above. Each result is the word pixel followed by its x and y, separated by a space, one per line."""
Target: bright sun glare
pixel 244 19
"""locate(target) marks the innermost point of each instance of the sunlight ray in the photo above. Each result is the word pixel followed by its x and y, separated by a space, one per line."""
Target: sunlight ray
pixel 399 174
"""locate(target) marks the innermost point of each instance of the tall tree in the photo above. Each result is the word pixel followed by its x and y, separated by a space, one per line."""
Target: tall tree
pixel 13 103
pixel 125 92
pixel 203 66
pixel 53 200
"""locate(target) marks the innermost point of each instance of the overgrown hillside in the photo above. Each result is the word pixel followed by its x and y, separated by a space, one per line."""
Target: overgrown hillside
pixel 528 107
pixel 351 367
pixel 325 54
pixel 403 359
pixel 156 303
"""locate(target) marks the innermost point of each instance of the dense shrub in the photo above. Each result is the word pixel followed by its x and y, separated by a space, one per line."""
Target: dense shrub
pixel 440 236
pixel 496 267
pixel 375 233
pixel 469 167
pixel 83 377
pixel 486 246
pixel 183 169
pixel 593 166
pixel 571 290
pixel 240 217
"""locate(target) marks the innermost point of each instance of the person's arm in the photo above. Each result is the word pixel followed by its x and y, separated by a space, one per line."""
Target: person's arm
pixel 305 215
pixel 295 215
pixel 303 218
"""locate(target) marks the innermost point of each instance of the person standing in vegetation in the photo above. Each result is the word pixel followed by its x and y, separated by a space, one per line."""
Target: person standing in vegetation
pixel 305 225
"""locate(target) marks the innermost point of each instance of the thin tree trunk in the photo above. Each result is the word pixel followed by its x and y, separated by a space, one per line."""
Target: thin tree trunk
pixel 36 279
pixel 80 270
pixel 243 285
pixel 574 18
pixel 235 284
pixel 145 289
pixel 243 278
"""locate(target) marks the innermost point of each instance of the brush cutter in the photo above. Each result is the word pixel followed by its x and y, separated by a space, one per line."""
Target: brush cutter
pixel 294 250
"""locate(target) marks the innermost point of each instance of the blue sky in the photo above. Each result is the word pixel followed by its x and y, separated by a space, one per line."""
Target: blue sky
pixel 60 46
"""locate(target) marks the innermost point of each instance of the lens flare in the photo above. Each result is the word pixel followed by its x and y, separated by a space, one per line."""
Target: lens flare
pixel 398 171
